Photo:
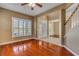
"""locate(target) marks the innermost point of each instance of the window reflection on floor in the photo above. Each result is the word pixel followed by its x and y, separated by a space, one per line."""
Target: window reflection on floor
pixel 19 49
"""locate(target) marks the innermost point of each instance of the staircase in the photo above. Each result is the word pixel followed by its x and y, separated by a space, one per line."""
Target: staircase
pixel 73 19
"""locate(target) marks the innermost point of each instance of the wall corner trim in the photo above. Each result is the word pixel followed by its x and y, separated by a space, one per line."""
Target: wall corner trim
pixel 70 50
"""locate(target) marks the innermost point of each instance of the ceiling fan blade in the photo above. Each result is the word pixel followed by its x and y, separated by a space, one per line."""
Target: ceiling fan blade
pixel 24 4
pixel 38 4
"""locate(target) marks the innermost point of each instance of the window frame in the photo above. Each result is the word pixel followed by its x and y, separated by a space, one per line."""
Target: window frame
pixel 24 21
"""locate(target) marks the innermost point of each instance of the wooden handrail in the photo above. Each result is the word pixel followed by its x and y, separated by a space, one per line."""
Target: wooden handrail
pixel 71 15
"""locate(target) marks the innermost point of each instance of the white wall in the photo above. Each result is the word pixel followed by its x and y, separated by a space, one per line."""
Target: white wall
pixel 72 40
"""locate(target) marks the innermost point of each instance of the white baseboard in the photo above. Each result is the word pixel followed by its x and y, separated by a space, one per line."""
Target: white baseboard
pixel 48 41
pixel 70 50
pixel 42 40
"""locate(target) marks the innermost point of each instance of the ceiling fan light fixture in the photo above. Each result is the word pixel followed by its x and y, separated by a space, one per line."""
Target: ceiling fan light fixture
pixel 32 4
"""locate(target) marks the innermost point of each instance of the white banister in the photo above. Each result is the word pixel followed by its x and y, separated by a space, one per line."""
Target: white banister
pixel 73 20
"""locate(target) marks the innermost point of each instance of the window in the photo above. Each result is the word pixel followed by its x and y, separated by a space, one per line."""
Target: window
pixel 21 27
pixel 15 28
pixel 42 28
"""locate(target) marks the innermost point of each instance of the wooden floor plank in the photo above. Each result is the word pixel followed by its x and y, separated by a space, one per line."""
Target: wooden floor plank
pixel 33 47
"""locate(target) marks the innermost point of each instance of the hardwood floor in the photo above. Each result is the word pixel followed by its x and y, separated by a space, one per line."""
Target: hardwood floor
pixel 33 48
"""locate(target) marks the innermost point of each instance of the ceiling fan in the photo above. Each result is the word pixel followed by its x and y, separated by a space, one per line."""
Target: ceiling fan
pixel 32 5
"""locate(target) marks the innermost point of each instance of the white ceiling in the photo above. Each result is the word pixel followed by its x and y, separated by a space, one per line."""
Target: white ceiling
pixel 26 9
